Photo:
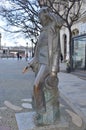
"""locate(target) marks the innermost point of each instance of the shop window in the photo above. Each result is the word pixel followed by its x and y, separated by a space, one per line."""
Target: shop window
pixel 79 52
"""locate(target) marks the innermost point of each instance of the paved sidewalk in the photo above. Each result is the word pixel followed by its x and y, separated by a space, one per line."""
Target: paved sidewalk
pixel 16 91
pixel 73 90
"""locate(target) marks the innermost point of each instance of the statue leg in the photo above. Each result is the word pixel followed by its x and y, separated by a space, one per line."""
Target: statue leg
pixel 39 98
pixel 46 97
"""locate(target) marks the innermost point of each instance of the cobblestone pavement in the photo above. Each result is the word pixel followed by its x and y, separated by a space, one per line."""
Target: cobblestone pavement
pixel 16 92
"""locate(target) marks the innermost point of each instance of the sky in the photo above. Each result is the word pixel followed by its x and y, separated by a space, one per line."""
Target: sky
pixel 11 39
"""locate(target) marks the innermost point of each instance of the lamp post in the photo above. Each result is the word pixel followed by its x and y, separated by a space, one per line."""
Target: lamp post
pixel 26 46
pixel 26 51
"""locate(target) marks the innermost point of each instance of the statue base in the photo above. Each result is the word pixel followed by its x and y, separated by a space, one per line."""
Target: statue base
pixel 52 119
pixel 26 121
pixel 52 113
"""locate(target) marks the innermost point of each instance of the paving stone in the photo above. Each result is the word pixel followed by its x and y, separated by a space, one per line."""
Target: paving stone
pixel 25 120
pixel 11 106
pixel 27 100
pixel 27 105
pixel 4 128
pixel 75 118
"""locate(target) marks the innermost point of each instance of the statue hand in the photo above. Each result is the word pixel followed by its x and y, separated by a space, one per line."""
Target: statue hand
pixel 34 66
pixel 25 69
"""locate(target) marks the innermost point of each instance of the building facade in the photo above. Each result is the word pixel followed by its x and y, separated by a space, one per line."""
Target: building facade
pixel 79 52
pixel 78 42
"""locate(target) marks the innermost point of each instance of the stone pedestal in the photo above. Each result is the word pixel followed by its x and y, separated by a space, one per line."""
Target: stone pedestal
pixel 26 121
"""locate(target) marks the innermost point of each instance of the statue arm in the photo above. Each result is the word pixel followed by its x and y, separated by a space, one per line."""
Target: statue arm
pixel 54 49
pixel 33 62
pixel 56 54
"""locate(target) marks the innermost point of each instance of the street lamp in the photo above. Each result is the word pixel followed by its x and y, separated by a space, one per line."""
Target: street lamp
pixel 26 51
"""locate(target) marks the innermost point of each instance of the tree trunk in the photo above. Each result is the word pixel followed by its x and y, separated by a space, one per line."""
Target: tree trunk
pixel 70 48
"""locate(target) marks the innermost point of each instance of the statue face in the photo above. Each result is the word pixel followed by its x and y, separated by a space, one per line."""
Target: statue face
pixel 42 2
pixel 44 16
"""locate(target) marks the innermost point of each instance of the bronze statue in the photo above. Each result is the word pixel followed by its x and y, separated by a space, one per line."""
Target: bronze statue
pixel 45 64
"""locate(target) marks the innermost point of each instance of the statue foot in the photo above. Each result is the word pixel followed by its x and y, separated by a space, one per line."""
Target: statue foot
pixel 38 119
pixel 41 110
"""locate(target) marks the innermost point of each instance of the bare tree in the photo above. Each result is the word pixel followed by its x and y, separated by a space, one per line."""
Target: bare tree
pixel 23 14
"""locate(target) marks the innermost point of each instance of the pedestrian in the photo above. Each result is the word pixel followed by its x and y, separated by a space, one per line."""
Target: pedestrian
pixel 26 56
pixel 18 55
pixel 61 57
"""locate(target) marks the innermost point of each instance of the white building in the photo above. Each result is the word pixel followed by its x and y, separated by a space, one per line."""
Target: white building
pixel 78 43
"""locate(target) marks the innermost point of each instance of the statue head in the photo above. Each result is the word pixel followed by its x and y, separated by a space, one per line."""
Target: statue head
pixel 45 16
pixel 45 2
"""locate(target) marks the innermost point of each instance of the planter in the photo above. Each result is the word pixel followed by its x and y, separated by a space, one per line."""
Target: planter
pixel 68 69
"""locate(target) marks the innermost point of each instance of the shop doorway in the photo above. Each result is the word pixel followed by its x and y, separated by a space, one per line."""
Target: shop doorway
pixel 65 46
